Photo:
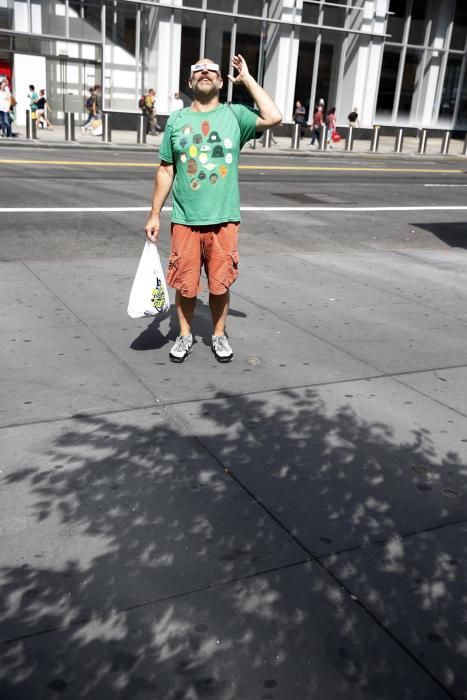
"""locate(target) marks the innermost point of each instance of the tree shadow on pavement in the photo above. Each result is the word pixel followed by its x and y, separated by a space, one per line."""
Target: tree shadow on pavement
pixel 147 571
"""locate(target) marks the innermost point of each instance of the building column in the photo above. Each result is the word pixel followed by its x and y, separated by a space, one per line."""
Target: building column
pixel 163 55
pixel 431 86
pixel 281 59
pixel 363 62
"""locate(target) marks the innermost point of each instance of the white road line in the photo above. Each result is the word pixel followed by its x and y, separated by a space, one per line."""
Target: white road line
pixel 93 210
pixel 432 184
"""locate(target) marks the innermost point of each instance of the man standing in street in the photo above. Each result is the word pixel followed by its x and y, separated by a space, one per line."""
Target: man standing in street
pixel 199 158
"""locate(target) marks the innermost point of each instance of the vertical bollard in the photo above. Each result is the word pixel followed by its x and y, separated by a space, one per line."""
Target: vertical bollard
pixel 349 139
pixel 267 138
pixel 69 126
pixel 141 129
pixel 422 142
pixel 399 141
pixel 464 150
pixel 375 140
pixel 445 143
pixel 296 136
pixel 322 138
pixel 31 125
pixel 106 130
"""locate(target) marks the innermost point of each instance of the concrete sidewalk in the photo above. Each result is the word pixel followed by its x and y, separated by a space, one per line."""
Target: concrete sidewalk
pixel 291 525
pixel 126 140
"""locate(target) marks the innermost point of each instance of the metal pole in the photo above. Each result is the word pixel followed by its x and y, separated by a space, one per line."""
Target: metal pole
pixel 69 126
pixel 445 143
pixel 31 125
pixel 140 129
pixel 399 141
pixel 375 140
pixel 322 138
pixel 349 139
pixel 296 134
pixel 464 150
pixel 106 130
pixel 267 138
pixel 422 142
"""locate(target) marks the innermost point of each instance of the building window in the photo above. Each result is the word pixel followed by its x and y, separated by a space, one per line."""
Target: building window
pixel 388 82
pixel 248 44
pixel 410 85
pixel 305 63
pixel 396 20
pixel 328 68
pixel 120 25
pixel 450 88
pixel 84 19
pixel 459 30
pixel 310 13
pixel 462 115
pixel 418 23
pixel 189 49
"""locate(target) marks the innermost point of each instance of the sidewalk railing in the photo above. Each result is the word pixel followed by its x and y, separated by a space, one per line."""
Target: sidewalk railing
pixel 379 138
pixel 352 137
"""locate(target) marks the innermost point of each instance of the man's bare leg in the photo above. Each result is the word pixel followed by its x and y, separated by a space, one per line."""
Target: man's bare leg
pixel 219 305
pixel 185 307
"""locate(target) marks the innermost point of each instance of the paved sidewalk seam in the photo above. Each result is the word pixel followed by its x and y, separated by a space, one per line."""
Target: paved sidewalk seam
pixel 386 540
pixel 156 601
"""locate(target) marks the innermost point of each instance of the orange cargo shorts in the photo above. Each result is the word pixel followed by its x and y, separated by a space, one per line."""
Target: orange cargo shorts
pixel 214 247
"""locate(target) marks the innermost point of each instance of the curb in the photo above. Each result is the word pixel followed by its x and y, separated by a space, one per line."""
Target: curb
pixel 284 152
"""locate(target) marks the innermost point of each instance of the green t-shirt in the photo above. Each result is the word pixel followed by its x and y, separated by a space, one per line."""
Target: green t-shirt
pixel 204 148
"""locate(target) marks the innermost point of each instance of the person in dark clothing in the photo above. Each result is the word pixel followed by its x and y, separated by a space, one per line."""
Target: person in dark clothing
pixel 299 116
pixel 43 109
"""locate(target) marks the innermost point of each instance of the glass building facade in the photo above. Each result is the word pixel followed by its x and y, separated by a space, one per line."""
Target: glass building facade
pixel 400 62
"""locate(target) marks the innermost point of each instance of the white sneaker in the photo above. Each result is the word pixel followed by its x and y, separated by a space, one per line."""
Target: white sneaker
pixel 83 130
pixel 181 348
pixel 221 348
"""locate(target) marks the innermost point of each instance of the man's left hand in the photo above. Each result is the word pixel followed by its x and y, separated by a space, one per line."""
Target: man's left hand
pixel 239 64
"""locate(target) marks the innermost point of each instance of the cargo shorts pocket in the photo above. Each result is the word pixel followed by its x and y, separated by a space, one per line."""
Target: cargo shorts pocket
pixel 232 269
pixel 172 270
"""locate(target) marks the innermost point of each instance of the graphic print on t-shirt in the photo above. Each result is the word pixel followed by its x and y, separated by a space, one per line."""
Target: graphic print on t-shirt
pixel 203 149
pixel 206 151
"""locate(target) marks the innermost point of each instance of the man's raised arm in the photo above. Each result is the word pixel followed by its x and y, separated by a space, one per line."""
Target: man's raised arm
pixel 269 115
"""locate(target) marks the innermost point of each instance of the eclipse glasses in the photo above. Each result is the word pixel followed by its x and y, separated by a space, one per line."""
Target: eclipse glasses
pixel 197 67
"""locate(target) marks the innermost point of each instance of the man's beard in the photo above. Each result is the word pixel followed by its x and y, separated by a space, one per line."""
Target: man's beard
pixel 205 91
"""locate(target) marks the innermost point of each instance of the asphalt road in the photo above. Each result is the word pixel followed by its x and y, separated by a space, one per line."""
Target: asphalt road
pixel 118 179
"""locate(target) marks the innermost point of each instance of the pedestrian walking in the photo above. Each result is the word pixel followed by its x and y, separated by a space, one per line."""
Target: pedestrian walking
pixel 199 159
pixel 5 104
pixel 149 111
pixel 33 97
pixel 330 126
pixel 353 117
pixel 43 110
pixel 91 110
pixel 316 124
pixel 299 116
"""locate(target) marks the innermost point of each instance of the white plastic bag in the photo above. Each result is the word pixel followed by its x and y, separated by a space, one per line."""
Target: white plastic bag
pixel 148 296
pixel 96 127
